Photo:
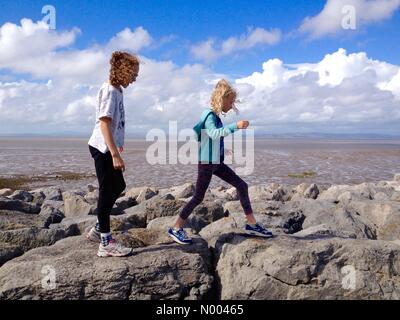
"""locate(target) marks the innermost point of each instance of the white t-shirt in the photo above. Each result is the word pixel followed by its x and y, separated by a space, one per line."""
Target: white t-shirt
pixel 110 103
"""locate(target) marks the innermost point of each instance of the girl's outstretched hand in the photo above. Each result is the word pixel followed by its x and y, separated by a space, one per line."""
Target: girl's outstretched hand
pixel 243 124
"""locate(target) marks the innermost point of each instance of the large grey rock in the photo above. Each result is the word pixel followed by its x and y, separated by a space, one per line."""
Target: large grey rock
pixel 318 232
pixel 395 196
pixel 292 222
pixel 50 193
pixel 209 212
pixel 381 196
pixel 17 241
pixel 154 271
pixel 125 202
pixel 28 238
pixel 21 195
pixel 50 210
pixel 203 215
pixel 332 193
pixel 230 224
pixel 8 252
pixel 129 220
pixel 140 194
pixel 53 193
pixel 344 221
pixel 363 191
pixel 305 190
pixel 383 215
pixel 270 208
pixel 91 188
pixel 226 194
pixel 5 192
pixel 163 223
pixel 18 205
pixel 233 224
pixel 38 197
pixel 288 268
pixel 309 207
pixel 59 205
pixel 272 191
pixel 92 197
pixel 10 220
pixel 158 206
pixel 184 191
pixel 81 225
pixel 275 214
pixel 73 226
pixel 76 205
pixel 20 232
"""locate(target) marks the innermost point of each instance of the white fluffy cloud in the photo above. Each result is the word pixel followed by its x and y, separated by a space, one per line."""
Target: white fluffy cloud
pixel 34 49
pixel 61 94
pixel 128 40
pixel 341 93
pixel 329 20
pixel 19 43
pixel 212 50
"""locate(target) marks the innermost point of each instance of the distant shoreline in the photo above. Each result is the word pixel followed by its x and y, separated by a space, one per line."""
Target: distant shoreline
pixel 337 138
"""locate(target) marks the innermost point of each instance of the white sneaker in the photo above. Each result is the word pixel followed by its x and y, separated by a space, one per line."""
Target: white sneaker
pixel 113 249
pixel 93 235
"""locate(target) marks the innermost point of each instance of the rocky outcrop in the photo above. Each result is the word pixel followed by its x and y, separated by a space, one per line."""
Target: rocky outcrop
pixel 157 269
pixel 75 204
pixel 331 242
pixel 203 215
pixel 18 205
pixel 140 194
pixel 288 268
pixel 157 206
pixel 272 191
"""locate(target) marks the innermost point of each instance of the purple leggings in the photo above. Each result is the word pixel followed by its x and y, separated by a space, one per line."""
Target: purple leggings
pixel 221 170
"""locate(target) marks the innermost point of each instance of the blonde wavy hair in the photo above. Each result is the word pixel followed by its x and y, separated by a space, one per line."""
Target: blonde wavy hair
pixel 122 64
pixel 222 89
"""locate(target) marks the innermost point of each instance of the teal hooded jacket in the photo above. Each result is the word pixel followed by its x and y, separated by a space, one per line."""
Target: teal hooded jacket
pixel 210 133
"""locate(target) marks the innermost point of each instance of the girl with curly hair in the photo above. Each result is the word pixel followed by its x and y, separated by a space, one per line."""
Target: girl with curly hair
pixel 211 133
pixel 106 145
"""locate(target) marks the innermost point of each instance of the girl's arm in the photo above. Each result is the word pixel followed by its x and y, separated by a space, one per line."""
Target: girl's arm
pixel 215 133
pixel 105 127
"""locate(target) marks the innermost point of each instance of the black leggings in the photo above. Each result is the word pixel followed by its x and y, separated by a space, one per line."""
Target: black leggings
pixel 205 173
pixel 111 185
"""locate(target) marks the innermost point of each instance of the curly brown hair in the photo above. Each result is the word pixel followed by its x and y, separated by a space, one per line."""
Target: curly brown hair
pixel 122 64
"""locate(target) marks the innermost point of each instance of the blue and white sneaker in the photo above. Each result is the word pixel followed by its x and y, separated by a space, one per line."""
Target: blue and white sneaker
pixel 179 236
pixel 258 230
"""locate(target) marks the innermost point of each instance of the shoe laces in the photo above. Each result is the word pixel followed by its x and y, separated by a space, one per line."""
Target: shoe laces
pixel 182 233
pixel 261 228
pixel 116 244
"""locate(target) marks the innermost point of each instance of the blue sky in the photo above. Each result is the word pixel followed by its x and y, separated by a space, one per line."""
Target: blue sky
pixel 195 20
pixel 175 30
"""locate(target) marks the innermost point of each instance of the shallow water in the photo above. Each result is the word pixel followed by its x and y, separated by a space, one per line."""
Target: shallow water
pixel 333 161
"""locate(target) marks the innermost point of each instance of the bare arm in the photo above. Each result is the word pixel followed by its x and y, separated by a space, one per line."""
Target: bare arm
pixel 105 127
